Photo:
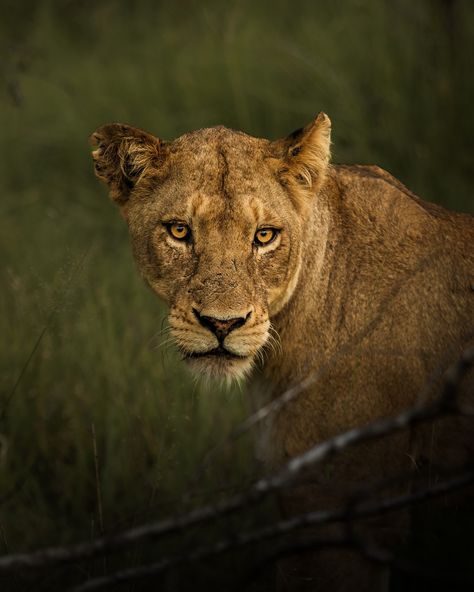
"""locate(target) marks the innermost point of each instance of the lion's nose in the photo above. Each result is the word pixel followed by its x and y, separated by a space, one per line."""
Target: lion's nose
pixel 220 327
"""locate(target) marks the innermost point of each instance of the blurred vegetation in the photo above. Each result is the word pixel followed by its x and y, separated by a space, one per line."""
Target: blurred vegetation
pixel 80 333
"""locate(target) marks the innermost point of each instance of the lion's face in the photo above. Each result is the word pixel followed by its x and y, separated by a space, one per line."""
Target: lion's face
pixel 219 242
pixel 217 233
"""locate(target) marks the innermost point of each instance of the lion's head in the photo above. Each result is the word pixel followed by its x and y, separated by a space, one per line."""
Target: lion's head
pixel 216 219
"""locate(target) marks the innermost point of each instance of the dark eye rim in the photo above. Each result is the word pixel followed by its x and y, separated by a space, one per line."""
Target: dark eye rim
pixel 276 232
pixel 171 223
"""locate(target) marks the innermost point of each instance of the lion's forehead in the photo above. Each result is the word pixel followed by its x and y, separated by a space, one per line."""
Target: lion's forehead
pixel 221 195
pixel 216 213
pixel 221 161
pixel 208 139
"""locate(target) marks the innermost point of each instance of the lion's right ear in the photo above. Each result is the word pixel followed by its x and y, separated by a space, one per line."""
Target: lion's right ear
pixel 303 157
pixel 124 156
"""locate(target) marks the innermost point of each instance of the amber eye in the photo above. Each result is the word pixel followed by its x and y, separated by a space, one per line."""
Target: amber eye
pixel 179 231
pixel 265 236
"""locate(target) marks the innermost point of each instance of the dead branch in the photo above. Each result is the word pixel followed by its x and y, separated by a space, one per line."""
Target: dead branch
pixel 283 528
pixel 445 404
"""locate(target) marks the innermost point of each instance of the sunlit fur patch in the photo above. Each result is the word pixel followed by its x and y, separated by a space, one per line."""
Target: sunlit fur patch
pixel 193 340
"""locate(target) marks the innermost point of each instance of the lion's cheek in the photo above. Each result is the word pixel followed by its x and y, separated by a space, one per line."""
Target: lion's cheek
pixel 280 273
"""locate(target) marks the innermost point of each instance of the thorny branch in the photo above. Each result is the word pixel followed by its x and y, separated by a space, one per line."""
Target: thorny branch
pixel 445 404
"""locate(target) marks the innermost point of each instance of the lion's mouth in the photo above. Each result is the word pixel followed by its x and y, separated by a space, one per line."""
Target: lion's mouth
pixel 219 352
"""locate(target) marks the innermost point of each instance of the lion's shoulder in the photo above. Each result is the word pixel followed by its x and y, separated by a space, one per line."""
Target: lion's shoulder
pixel 372 190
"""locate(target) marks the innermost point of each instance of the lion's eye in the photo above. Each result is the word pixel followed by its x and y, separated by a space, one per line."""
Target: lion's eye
pixel 179 231
pixel 265 236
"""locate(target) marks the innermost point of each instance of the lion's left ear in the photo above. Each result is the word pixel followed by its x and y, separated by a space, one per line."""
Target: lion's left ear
pixel 305 154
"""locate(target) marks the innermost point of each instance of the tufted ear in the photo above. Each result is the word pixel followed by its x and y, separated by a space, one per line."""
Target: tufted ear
pixel 305 154
pixel 124 156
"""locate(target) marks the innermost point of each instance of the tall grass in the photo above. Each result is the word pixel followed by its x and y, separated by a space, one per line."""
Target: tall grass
pixel 395 78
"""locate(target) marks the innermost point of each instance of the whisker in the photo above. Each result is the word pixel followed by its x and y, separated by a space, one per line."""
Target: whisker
pixel 260 356
pixel 157 334
pixel 275 338
pixel 165 343
pixel 269 346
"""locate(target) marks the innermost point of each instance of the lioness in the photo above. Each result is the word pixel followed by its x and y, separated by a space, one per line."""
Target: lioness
pixel 369 289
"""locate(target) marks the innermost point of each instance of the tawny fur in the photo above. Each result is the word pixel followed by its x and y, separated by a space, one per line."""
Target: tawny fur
pixel 370 289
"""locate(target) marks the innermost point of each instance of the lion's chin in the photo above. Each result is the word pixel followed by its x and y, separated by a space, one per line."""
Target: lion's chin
pixel 220 367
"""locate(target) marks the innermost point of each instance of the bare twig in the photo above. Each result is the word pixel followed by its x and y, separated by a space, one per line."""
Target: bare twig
pixel 97 481
pixel 98 489
pixel 443 405
pixel 285 527
pixel 4 538
pixel 16 487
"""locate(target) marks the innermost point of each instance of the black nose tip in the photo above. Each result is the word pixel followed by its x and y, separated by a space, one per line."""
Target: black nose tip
pixel 220 327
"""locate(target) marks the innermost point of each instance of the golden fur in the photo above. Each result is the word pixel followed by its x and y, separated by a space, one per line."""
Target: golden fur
pixel 369 289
